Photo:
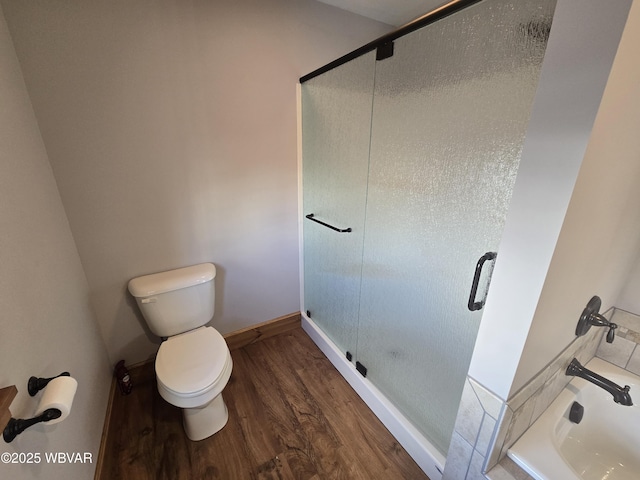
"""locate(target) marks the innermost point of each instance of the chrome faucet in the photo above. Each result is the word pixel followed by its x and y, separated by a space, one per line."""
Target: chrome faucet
pixel 620 394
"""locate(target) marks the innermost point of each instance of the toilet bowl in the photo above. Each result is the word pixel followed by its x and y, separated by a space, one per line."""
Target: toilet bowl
pixel 192 369
pixel 193 364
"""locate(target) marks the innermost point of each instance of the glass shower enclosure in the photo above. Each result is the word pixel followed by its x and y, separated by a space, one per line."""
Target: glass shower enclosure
pixel 410 152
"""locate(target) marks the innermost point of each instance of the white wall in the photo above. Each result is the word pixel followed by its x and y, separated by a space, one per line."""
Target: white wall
pixel 171 129
pixel 46 323
pixel 574 74
pixel 600 237
pixel 629 299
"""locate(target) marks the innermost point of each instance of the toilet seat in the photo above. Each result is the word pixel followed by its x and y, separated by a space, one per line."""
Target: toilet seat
pixel 192 363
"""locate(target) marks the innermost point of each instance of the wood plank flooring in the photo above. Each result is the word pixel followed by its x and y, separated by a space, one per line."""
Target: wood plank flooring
pixel 291 416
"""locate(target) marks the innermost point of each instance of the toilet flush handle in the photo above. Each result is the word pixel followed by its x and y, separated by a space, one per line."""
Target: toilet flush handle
pixel 148 300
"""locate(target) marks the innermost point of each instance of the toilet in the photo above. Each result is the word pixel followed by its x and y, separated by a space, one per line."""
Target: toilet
pixel 193 364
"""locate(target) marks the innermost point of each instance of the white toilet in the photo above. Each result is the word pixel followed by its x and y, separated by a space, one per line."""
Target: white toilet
pixel 193 364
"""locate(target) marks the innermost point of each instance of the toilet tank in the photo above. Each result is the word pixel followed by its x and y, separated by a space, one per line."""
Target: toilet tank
pixel 176 301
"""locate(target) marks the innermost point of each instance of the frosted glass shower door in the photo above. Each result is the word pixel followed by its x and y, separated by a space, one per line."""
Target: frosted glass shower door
pixel 451 107
pixel 336 119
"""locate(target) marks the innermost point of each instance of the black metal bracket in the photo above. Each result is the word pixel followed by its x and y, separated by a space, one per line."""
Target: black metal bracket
pixel 361 368
pixel 341 230
pixel 17 425
pixel 384 51
pixel 349 356
pixel 35 384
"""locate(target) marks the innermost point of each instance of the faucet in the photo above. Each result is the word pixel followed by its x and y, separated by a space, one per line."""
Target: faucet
pixel 590 317
pixel 620 395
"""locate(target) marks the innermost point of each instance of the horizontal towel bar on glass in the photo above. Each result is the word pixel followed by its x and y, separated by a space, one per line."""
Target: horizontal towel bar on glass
pixel 341 230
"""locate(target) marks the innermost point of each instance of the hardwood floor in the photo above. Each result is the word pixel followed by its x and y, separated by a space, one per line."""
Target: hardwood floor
pixel 291 416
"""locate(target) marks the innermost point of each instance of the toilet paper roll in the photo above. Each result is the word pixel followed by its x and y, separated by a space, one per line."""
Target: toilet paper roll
pixel 58 394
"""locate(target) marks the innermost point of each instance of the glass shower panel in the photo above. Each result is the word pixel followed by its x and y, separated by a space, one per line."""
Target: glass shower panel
pixel 451 107
pixel 336 121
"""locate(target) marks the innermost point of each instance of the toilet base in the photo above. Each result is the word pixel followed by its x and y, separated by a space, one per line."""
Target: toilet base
pixel 202 422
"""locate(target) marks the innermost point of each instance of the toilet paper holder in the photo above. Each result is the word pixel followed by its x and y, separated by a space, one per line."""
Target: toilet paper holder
pixel 18 425
pixel 35 384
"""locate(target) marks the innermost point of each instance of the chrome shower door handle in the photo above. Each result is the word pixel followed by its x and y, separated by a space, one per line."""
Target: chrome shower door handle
pixel 472 304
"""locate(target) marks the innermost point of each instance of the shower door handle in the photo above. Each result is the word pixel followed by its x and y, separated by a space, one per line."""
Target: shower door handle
pixel 473 305
pixel 341 230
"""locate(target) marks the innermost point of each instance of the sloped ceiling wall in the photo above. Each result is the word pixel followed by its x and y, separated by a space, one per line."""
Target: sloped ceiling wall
pixel 392 12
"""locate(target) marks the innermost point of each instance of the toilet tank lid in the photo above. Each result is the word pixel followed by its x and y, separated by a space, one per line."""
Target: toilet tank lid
pixel 168 281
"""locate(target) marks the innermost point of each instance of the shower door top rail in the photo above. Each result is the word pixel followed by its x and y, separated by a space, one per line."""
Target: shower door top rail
pixel 426 19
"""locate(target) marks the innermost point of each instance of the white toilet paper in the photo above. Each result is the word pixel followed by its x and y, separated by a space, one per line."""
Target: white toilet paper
pixel 59 394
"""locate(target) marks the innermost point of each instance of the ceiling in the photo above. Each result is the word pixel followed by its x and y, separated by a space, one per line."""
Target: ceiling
pixel 392 12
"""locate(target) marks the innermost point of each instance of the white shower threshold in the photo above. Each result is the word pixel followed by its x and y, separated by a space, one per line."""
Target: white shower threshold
pixel 425 454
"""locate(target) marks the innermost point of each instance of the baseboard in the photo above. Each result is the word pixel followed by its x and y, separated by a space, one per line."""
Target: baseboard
pixel 105 431
pixel 143 371
pixel 255 333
